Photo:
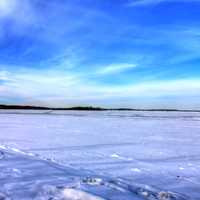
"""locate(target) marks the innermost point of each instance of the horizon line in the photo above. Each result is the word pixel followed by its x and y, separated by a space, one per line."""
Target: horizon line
pixel 90 108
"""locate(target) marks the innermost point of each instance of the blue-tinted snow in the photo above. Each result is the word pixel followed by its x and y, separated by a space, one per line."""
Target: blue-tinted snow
pixel 99 155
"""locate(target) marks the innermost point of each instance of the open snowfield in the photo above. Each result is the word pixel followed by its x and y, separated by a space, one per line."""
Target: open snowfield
pixel 108 155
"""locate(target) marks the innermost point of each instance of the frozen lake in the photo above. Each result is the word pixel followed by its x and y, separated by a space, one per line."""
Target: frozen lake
pixel 156 151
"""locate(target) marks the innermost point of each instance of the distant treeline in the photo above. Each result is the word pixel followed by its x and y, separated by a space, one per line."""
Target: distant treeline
pixel 88 108
pixel 19 107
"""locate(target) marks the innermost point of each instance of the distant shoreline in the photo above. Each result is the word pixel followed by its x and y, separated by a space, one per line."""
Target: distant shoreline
pixel 88 108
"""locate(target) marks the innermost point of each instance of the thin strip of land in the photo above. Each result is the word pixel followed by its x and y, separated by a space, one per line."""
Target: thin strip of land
pixel 88 108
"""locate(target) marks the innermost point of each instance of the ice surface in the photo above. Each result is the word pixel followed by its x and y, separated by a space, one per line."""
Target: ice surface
pixel 99 155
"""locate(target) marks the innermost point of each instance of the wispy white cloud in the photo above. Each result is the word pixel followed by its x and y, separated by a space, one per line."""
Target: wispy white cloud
pixel 21 15
pixel 4 75
pixel 164 88
pixel 7 7
pixel 17 10
pixel 149 2
pixel 61 89
pixel 115 68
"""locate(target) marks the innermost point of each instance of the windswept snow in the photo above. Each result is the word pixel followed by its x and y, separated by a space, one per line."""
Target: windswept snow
pixel 99 155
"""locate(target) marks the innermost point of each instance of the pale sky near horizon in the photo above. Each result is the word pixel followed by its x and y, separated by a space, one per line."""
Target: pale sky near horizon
pixel 109 53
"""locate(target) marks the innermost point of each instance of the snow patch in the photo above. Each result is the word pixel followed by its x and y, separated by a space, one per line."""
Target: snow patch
pixel 120 157
pixel 73 194
pixel 136 170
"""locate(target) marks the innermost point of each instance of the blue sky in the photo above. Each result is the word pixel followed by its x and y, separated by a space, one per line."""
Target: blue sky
pixel 111 53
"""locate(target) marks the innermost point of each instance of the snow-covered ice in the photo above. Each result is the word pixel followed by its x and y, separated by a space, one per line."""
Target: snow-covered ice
pixel 99 155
